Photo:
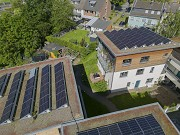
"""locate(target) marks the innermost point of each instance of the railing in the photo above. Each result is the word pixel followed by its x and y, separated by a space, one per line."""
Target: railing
pixel 172 74
pixel 103 62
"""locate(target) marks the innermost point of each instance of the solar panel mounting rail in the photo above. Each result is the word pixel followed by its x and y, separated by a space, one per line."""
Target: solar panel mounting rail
pixel 29 96
pixel 11 103
pixel 3 83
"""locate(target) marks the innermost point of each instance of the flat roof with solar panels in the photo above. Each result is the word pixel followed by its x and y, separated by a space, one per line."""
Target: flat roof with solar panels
pixel 37 95
pixel 144 120
pixel 134 40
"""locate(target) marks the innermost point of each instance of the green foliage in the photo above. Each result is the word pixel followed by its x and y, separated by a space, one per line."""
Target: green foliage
pixel 83 42
pixel 90 65
pixel 170 26
pixel 83 51
pixel 93 107
pixel 129 100
pixel 92 47
pixel 62 11
pixel 24 30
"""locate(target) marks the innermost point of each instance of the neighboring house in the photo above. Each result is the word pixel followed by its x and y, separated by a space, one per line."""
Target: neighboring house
pixel 133 58
pixel 88 9
pixel 144 120
pixel 145 14
pixel 172 69
pixel 97 24
pixel 172 7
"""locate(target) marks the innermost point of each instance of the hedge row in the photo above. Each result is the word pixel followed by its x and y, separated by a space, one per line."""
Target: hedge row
pixel 82 50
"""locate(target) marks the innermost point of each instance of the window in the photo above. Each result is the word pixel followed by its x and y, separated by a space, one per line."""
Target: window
pixel 158 12
pixel 165 55
pixel 139 71
pixel 152 12
pixel 152 69
pixel 143 20
pixel 128 84
pixel 144 59
pixel 146 11
pixel 149 80
pixel 123 74
pixel 127 62
pixel 149 22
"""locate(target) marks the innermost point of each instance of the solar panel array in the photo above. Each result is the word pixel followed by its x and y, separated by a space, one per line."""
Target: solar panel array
pixel 61 95
pixel 146 125
pixel 136 37
pixel 45 91
pixel 12 99
pixel 3 83
pixel 29 96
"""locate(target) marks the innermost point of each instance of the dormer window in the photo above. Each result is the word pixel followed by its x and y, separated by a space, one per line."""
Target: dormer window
pixel 146 11
pixel 92 3
pixel 152 12
pixel 158 13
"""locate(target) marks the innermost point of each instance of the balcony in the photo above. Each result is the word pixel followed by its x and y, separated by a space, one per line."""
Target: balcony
pixel 104 63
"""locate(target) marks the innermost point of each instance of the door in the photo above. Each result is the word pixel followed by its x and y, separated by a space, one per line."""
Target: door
pixel 137 84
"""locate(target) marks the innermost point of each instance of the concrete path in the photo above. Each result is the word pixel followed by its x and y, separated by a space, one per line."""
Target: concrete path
pixel 102 99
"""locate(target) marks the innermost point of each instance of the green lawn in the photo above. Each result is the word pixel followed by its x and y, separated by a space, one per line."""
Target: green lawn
pixel 93 107
pixel 76 35
pixel 132 99
pixel 5 1
pixel 90 65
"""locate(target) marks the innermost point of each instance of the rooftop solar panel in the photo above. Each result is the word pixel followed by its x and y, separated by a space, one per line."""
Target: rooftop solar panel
pixel 3 83
pixel 60 83
pixel 146 125
pixel 135 37
pixel 45 91
pixel 12 99
pixel 29 96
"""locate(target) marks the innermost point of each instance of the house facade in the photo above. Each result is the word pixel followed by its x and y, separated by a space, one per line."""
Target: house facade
pixel 172 69
pixel 91 8
pixel 145 14
pixel 133 58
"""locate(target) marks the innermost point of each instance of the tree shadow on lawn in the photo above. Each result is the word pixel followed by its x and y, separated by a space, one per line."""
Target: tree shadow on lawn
pixel 129 100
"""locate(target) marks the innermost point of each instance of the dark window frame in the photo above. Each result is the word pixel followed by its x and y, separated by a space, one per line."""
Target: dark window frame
pixel 144 59
pixel 122 74
pixel 125 63
pixel 151 70
pixel 149 80
pixel 138 71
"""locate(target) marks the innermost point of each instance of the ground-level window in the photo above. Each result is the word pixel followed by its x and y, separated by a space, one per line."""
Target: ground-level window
pixel 149 80
pixel 128 84
pixel 123 74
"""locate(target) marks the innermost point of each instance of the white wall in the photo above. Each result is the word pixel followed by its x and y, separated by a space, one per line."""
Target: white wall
pixel 96 29
pixel 121 83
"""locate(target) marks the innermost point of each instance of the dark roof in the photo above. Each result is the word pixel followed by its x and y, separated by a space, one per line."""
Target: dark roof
pixel 97 6
pixel 171 7
pixel 101 24
pixel 52 47
pixel 142 13
pixel 148 5
pixel 138 113
pixel 146 9
pixel 135 38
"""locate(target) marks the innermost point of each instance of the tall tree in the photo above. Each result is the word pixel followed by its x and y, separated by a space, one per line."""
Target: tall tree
pixel 170 26
pixel 62 12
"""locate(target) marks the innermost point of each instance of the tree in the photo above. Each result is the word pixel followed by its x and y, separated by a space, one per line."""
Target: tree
pixel 62 13
pixel 170 26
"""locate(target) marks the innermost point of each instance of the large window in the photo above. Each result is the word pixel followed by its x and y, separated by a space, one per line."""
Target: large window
pixel 144 59
pixel 126 62
pixel 139 71
pixel 149 80
pixel 123 74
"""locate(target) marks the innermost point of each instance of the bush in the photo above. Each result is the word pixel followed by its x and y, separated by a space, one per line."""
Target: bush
pixel 82 50
pixel 92 47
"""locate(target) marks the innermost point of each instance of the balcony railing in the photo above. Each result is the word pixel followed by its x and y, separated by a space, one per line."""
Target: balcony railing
pixel 103 62
pixel 172 74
